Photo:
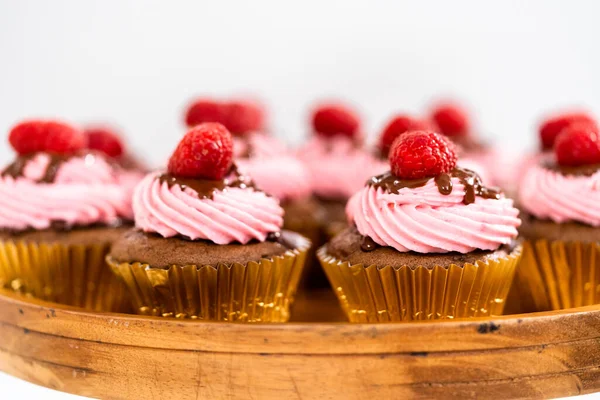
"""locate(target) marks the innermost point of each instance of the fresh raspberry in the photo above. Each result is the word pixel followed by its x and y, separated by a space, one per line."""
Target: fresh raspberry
pixel 578 144
pixel 397 126
pixel 551 127
pixel 49 136
pixel 105 141
pixel 422 154
pixel 206 151
pixel 334 119
pixel 243 117
pixel 205 110
pixel 451 119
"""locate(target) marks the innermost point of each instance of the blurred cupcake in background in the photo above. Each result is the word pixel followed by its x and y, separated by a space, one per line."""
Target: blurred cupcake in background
pixel 427 240
pixel 208 244
pixel 61 208
pixel 107 140
pixel 337 161
pixel 452 120
pixel 560 196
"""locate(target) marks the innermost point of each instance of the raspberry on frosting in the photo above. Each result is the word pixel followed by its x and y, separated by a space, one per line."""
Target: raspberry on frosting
pixel 206 151
pixel 551 127
pixel 104 140
pixel 244 116
pixel 239 116
pixel 46 136
pixel 451 119
pixel 335 119
pixel 205 110
pixel 422 154
pixel 578 144
pixel 397 126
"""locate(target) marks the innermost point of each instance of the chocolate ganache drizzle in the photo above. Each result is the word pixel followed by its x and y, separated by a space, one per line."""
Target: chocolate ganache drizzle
pixel 206 187
pixel 471 181
pixel 16 168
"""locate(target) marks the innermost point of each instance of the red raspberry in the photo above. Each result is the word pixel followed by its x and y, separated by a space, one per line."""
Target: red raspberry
pixel 451 119
pixel 397 126
pixel 105 141
pixel 578 144
pixel 422 154
pixel 551 127
pixel 334 119
pixel 49 136
pixel 205 110
pixel 243 117
pixel 206 151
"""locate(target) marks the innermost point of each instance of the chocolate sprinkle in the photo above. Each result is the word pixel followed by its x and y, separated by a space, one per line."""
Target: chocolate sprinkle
pixel 472 182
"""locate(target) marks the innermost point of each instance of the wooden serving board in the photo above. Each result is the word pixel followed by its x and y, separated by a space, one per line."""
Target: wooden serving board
pixel 118 356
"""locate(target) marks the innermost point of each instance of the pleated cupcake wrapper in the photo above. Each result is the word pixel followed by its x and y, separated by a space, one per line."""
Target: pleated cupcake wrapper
pixel 383 294
pixel 554 275
pixel 75 275
pixel 259 291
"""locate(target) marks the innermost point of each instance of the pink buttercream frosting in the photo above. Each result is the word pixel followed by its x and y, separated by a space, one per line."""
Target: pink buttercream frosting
pixel 549 194
pixel 85 190
pixel 257 144
pixel 282 176
pixel 425 221
pixel 336 166
pixel 231 215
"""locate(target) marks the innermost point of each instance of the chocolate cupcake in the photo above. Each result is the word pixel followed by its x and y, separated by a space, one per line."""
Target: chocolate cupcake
pixel 560 195
pixel 61 208
pixel 208 244
pixel 337 161
pixel 427 240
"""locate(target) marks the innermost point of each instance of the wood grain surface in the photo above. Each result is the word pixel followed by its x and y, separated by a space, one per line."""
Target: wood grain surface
pixel 117 356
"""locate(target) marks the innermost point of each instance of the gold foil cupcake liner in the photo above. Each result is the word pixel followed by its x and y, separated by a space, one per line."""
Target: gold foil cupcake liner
pixel 75 275
pixel 554 275
pixel 384 294
pixel 260 291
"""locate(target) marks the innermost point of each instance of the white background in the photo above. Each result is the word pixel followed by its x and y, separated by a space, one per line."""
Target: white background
pixel 137 63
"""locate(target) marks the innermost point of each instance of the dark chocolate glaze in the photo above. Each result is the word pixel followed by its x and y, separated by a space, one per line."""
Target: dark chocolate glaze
pixel 582 170
pixel 368 244
pixel 473 186
pixel 16 168
pixel 207 187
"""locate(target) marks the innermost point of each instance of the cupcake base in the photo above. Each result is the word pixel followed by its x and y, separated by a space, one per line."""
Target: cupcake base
pixel 196 279
pixel 386 285
pixel 66 267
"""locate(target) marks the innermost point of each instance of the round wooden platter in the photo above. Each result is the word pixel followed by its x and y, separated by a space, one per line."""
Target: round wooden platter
pixel 119 356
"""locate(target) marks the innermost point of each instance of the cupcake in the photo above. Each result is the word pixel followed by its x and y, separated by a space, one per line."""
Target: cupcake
pixel 207 244
pixel 105 140
pixel 427 240
pixel 61 208
pixel 337 161
pixel 560 196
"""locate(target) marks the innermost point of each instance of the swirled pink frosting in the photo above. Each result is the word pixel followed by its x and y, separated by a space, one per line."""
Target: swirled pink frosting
pixel 257 145
pixel 425 221
pixel 282 176
pixel 549 194
pixel 85 191
pixel 231 215
pixel 337 168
